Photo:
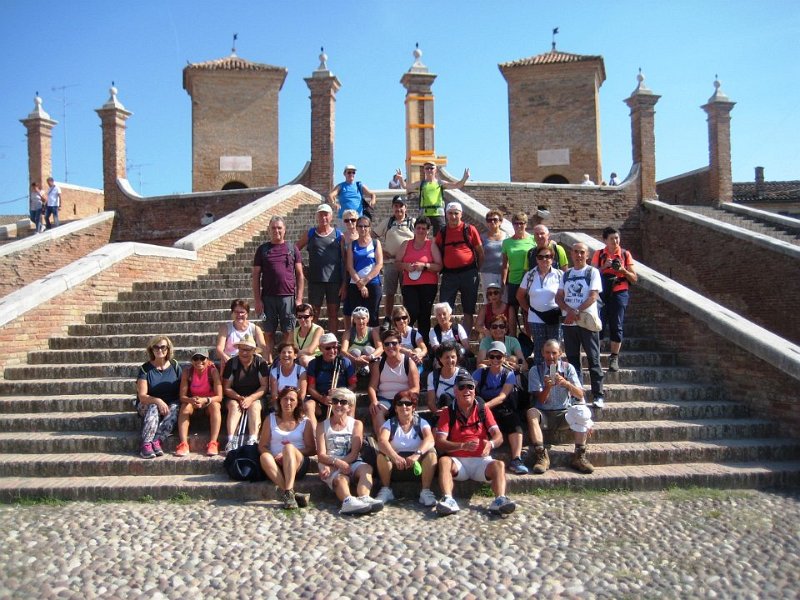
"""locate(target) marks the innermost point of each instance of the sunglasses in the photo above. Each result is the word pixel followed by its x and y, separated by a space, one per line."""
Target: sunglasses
pixel 498 326
pixel 403 318
pixel 198 358
pixel 349 172
pixel 519 223
pixel 495 357
pixel 330 347
pixel 304 317
pixel 339 401
pixel 391 344
pixel 544 257
pixel 404 403
pixel 350 220
pixel 162 347
pixel 466 386
pixel 493 220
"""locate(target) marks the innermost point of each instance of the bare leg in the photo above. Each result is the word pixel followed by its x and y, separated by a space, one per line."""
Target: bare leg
pixel 341 486
pixel 254 418
pixel 385 470
pixel 292 458
pixel 364 485
pixel 428 469
pixel 446 474
pixel 183 421
pixel 496 474
pixel 515 442
pixel 534 428
pixel 214 420
pixel 272 470
pixel 233 417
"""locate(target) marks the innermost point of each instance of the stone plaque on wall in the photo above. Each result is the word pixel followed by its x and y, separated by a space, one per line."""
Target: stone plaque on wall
pixel 550 158
pixel 235 163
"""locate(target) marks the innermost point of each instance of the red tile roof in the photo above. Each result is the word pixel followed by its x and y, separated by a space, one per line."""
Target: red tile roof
pixel 233 63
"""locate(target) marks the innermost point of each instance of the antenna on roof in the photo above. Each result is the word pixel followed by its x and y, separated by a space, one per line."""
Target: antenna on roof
pixel 235 37
pixel 555 31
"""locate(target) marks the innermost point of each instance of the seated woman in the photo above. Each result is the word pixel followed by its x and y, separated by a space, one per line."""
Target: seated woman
pixel 446 330
pixel 362 343
pixel 494 306
pixel 412 342
pixel 306 335
pixel 233 331
pixel 321 382
pixel 389 376
pixel 158 396
pixel 287 441
pixel 244 383
pixel 339 440
pixel 201 389
pixel 287 373
pixel 441 380
pixel 405 441
pixel 498 328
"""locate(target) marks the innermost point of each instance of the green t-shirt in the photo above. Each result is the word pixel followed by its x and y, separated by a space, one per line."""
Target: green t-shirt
pixel 516 251
pixel 512 345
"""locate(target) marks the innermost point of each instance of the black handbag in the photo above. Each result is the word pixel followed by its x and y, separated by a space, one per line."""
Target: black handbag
pixel 244 464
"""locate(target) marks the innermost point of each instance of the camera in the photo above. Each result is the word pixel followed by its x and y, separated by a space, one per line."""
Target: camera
pixel 616 264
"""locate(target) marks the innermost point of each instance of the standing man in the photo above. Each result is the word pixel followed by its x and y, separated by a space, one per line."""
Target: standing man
pixel 326 282
pixel 578 293
pixel 462 255
pixel 53 203
pixel 466 434
pixel 393 232
pixel 277 283
pixel 350 195
pixel 543 242
pixel 431 194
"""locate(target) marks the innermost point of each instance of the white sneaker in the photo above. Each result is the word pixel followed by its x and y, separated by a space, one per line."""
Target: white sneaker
pixel 427 497
pixel 385 495
pixel 375 505
pixel 354 506
pixel 447 506
pixel 231 445
pixel 252 441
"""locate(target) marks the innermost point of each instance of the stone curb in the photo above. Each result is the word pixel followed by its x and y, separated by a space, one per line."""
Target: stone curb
pixel 32 240
pixel 762 215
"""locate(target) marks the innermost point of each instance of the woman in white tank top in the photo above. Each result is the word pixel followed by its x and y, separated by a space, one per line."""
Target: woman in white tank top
pixel 232 332
pixel 398 374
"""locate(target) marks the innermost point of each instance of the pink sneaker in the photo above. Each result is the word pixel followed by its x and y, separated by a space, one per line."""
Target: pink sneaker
pixel 157 448
pixel 146 451
pixel 182 450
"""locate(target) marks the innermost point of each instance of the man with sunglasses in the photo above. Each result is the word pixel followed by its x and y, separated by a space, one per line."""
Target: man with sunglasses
pixel 431 193
pixel 466 435
pixel 320 375
pixel 352 195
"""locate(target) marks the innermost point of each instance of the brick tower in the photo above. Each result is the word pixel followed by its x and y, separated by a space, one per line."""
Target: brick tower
pixel 112 120
pixel 554 117
pixel 323 86
pixel 642 103
pixel 234 123
pixel 718 108
pixel 420 126
pixel 40 143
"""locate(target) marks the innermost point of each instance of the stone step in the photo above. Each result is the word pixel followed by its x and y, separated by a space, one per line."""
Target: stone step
pixel 106 465
pixel 209 328
pixel 176 294
pixel 159 317
pixel 684 430
pixel 221 302
pixel 127 341
pixel 660 392
pixel 655 411
pixel 217 485
pixel 76 421
pixel 66 404
pixel 79 386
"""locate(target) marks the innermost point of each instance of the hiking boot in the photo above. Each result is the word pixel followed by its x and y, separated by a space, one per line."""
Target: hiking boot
pixel 375 504
pixel 427 497
pixel 447 506
pixel 385 495
pixel 288 499
pixel 542 462
pixel 302 499
pixel 613 363
pixel 146 451
pixel 354 506
pixel 502 505
pixel 517 467
pixel 580 462
pixel 212 448
pixel 157 450
pixel 182 449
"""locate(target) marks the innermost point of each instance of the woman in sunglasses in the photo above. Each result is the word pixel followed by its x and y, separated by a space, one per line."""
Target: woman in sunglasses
pixel 406 446
pixel 349 235
pixel 364 264
pixel 494 306
pixel 412 342
pixel 287 441
pixel 537 297
pixel 201 389
pixel 339 440
pixel 157 396
pixel 492 266
pixel 389 376
pixel 498 332
pixel 306 335
pixel 362 344
pixel 421 262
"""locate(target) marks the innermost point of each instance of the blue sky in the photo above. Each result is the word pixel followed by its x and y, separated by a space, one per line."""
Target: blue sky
pixel 79 47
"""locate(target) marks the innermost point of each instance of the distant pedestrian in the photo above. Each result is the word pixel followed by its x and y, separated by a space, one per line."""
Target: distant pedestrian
pixel 53 203
pixel 352 195
pixel 613 180
pixel 37 201
pixel 587 180
pixel 396 182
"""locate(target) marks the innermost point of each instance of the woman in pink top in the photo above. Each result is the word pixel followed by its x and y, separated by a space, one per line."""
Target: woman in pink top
pixel 420 262
pixel 201 389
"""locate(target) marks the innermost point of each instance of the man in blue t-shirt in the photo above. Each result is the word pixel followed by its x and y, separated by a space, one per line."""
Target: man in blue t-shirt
pixel 351 195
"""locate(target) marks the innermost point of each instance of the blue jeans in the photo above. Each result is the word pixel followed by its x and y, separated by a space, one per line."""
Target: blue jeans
pixel 51 210
pixel 36 217
pixel 612 314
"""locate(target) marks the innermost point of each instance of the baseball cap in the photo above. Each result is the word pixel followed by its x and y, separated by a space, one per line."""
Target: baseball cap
pixel 328 338
pixel 399 199
pixel 325 208
pixel 454 206
pixel 497 347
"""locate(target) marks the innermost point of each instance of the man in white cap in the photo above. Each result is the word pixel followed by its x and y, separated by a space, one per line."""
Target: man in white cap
pixel 320 377
pixel 462 255
pixel 352 195
pixel 393 232
pixel 244 383
pixel 558 403
pixel 466 434
pixel 326 282
pixel 431 193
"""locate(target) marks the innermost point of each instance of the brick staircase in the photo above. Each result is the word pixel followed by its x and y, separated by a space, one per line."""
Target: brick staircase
pixel 67 426
pixel 747 222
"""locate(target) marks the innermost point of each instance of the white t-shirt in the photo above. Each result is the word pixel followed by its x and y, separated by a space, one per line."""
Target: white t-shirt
pixel 447 336
pixel 52 195
pixel 406 442
pixel 290 380
pixel 541 294
pixel 576 289
pixel 446 385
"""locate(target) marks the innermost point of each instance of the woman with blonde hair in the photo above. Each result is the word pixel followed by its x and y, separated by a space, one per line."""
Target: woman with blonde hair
pixel 158 395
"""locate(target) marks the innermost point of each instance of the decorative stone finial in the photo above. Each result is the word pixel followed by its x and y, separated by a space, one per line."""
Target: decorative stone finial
pixel 38 112
pixel 113 101
pixel 718 95
pixel 641 88
pixel 323 60
pixel 418 66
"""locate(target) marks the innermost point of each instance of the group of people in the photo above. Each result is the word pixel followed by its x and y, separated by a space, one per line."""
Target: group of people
pixel 306 380
pixel 44 205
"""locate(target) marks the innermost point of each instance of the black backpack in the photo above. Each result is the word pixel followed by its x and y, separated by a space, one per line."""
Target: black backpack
pixel 244 464
pixel 393 425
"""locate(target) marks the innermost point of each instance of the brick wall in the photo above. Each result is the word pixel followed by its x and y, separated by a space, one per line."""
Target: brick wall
pixel 21 268
pixel 79 202
pixel 769 392
pixel 31 330
pixel 572 208
pixel 758 283
pixel 690 189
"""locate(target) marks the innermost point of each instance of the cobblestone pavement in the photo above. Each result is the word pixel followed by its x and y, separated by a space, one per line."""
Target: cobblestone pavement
pixel 680 543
